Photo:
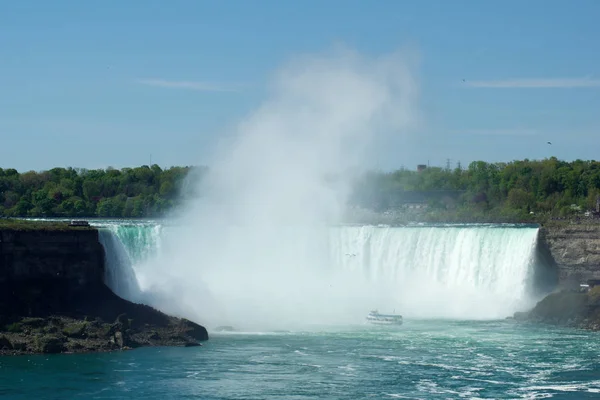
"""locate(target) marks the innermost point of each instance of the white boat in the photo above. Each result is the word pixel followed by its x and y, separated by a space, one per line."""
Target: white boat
pixel 376 318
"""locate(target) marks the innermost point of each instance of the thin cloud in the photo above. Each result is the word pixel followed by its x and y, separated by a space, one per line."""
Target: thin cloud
pixel 532 83
pixel 190 85
pixel 500 132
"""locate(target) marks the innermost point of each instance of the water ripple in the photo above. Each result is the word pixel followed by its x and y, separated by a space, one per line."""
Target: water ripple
pixel 424 359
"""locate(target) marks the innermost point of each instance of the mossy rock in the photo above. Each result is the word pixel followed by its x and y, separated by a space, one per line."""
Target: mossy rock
pixel 562 307
pixel 5 344
pixel 594 296
pixel 50 344
pixel 192 329
pixel 105 331
pixel 34 323
pixel 15 327
pixel 123 322
pixel 75 330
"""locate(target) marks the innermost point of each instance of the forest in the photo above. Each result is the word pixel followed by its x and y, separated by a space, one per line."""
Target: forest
pixel 146 191
pixel 517 191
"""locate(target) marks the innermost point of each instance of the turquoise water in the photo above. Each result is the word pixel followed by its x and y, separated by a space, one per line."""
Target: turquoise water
pixel 421 359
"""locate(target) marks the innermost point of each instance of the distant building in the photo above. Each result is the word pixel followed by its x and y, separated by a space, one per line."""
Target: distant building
pixel 421 167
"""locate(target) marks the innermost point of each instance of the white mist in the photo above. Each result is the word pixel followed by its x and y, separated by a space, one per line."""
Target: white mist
pixel 253 250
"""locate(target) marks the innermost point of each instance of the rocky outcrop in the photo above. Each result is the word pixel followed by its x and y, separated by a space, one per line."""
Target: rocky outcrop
pixel 53 299
pixel 567 308
pixel 576 250
pixel 97 320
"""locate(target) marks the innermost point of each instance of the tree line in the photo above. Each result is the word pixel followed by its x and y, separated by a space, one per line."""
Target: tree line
pixel 523 190
pixel 146 191
pixel 514 191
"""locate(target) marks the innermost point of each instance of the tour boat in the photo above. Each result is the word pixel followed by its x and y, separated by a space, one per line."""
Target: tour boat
pixel 376 318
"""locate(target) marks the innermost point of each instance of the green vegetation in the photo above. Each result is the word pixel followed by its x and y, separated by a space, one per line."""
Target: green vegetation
pixel 519 191
pixel 67 192
pixel 516 191
pixel 75 329
pixel 15 327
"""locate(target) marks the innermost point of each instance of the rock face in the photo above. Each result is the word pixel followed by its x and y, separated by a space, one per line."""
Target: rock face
pixel 98 320
pixel 53 299
pixel 567 308
pixel 52 263
pixel 70 255
pixel 576 251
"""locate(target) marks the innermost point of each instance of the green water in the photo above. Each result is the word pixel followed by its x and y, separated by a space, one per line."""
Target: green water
pixel 421 359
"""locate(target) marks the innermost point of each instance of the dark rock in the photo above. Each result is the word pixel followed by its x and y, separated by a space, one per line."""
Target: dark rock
pixel 53 299
pixel 5 344
pixel 566 308
pixel 74 346
pixel 14 327
pixel 75 330
pixel 51 329
pixel 33 323
pixel 192 329
pixel 50 344
pixel 122 322
pixel 521 316
pixel 19 346
pixel 154 335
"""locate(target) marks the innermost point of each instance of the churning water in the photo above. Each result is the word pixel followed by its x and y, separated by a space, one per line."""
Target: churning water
pixel 421 360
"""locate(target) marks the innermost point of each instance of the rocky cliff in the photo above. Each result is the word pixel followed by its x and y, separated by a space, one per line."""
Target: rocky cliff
pixel 576 250
pixel 566 308
pixel 53 299
pixel 71 254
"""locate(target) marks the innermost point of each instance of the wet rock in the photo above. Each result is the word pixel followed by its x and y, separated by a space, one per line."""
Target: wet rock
pixel 5 344
pixel 33 323
pixel 92 323
pixel 192 329
pixel 521 316
pixel 122 322
pixel 154 335
pixel 50 344
pixel 19 346
pixel 75 330
pixel 119 339
pixel 566 308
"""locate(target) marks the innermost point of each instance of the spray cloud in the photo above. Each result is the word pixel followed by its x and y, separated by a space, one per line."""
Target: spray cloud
pixel 253 248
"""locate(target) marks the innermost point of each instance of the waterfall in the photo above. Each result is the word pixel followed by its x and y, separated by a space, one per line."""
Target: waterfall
pixel 473 271
pixel 465 272
pixel 126 246
pixel 119 275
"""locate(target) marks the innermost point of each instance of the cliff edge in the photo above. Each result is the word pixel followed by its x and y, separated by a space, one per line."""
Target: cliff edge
pixel 53 298
pixel 576 250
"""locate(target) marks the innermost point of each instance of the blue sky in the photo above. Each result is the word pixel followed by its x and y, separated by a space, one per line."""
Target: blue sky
pixel 97 84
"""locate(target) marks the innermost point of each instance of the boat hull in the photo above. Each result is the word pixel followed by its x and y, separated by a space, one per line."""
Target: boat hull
pixel 375 318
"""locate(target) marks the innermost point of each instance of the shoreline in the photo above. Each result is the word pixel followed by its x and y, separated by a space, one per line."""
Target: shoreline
pixel 53 298
pixel 95 320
